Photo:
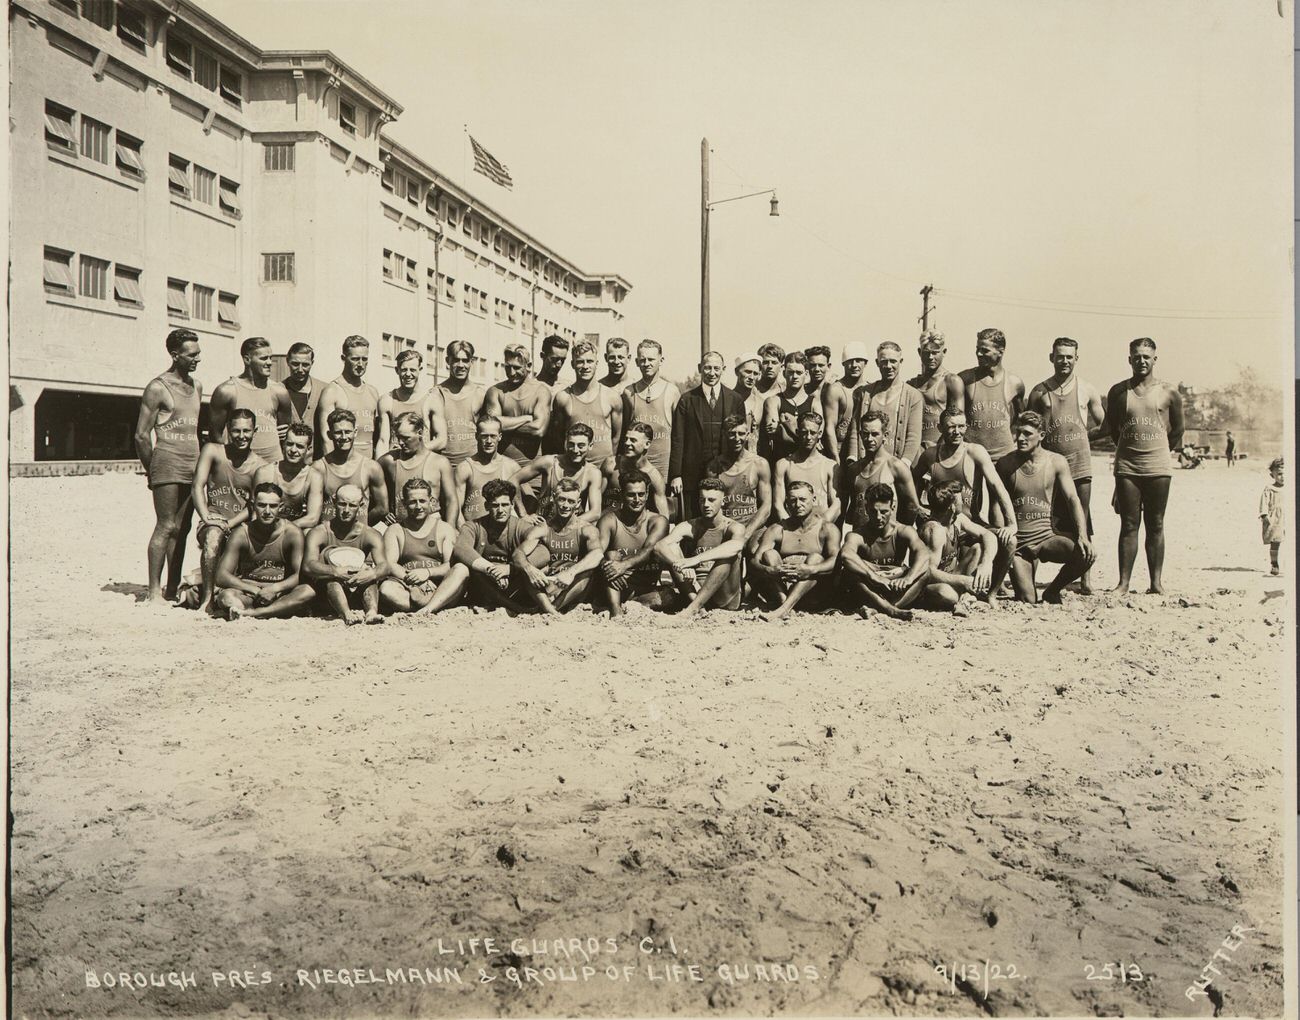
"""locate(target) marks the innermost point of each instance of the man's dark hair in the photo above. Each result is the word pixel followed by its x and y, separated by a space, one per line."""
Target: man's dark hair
pixel 497 487
pixel 878 493
pixel 300 347
pixel 177 338
pixel 267 487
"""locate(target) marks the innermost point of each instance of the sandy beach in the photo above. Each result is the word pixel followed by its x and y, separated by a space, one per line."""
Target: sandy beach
pixel 808 817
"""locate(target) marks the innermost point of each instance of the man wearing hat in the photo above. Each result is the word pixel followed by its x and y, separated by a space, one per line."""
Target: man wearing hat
pixel 939 388
pixel 837 399
pixel 748 369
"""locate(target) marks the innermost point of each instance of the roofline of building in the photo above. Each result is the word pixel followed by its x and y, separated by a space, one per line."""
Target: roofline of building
pixel 326 62
pixel 444 183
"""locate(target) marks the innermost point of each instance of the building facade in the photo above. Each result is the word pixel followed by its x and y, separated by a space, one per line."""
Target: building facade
pixel 166 172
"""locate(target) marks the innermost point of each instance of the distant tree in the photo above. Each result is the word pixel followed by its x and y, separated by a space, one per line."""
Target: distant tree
pixel 690 382
pixel 1253 403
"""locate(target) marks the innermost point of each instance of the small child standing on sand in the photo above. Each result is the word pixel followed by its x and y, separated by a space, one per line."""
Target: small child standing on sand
pixel 1271 515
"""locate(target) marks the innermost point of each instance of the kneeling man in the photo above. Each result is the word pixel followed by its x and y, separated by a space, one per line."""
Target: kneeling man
pixel 796 555
pixel 257 576
pixel 347 580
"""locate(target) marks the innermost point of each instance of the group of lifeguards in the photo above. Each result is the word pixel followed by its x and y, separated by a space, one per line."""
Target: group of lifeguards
pixel 789 488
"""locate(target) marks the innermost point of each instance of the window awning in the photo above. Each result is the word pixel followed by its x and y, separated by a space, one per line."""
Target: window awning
pixel 179 177
pixel 227 313
pixel 176 301
pixel 61 129
pixel 127 288
pixel 58 273
pixel 229 196
pixel 130 158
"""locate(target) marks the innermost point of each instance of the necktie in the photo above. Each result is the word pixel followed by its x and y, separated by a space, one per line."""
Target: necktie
pixel 713 400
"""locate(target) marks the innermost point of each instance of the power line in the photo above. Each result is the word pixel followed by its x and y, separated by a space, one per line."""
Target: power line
pixel 1117 311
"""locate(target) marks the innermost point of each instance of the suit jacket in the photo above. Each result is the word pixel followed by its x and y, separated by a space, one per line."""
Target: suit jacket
pixel 697 432
pixel 905 424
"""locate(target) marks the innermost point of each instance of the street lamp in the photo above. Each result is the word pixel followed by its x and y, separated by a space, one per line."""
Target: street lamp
pixel 705 206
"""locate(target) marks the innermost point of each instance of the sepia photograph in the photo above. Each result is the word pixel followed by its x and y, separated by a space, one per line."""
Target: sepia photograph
pixel 604 509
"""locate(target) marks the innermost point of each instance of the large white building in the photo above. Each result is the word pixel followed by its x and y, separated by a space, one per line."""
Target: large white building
pixel 166 172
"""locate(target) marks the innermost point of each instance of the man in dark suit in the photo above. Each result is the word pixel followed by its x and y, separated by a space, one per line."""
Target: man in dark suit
pixel 697 432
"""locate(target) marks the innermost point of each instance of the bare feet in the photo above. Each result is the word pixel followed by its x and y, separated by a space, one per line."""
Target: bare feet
pixel 234 612
pixel 1156 589
pixel 902 615
pixel 866 612
pixel 1120 589
pixel 354 616
pixel 374 618
pixel 1052 596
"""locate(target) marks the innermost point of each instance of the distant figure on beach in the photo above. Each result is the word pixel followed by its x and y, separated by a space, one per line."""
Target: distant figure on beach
pixel 1230 450
pixel 1145 416
pixel 1272 515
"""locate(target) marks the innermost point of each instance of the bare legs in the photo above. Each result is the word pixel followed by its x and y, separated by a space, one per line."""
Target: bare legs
pixel 236 605
pixel 340 599
pixel 1141 501
pixel 173 508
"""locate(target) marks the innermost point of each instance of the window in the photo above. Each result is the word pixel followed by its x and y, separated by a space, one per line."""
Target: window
pixel 496 244
pixel 399 185
pixel 496 309
pixel 413 189
pixel 468 296
pixel 510 314
pixel 388 264
pixel 448 289
pixel 126 286
pixel 453 214
pixel 277 267
pixel 482 302
pixel 388 178
pixel 232 88
pixel 347 117
pixel 94 139
pixel 129 158
pixel 203 303
pixel 178 305
pixel 277 157
pixel 70 6
pixel 228 310
pixel 94 277
pixel 180 56
pixel 229 197
pixel 467 225
pixel 431 284
pixel 205 185
pixel 178 176
pixel 131 28
pixel 206 70
pixel 411 276
pixel 58 127
pixel 98 12
pixel 58 272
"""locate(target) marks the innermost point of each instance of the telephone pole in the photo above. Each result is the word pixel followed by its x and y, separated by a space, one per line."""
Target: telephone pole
pixel 925 306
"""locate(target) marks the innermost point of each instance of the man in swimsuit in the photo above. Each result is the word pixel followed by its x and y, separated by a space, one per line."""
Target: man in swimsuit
pixel 633 456
pixel 1036 478
pixel 1230 449
pixel 939 388
pixel 410 396
pixel 838 397
pixel 628 536
pixel 169 411
pixel 522 403
pixel 771 358
pixel 551 467
pixel 796 555
pixel 969 463
pixel 344 465
pixel 351 392
pixel 902 404
pixel 422 577
pixel 485 547
pixel 1145 417
pixel 555 349
pixel 304 391
pixel 712 542
pixel 781 410
pixel 748 369
pixel 806 463
pixel 616 358
pixel 992 395
pixel 587 401
pixel 486 464
pixel 301 488
pixel 652 399
pixel 223 479
pixel 819 363
pixel 1072 413
pixel 258 573
pixel 572 549
pixel 410 458
pixel 885 565
pixel 461 402
pixel 352 593
pixel 747 479
pixel 962 553
pixel 879 467
pixel 255 390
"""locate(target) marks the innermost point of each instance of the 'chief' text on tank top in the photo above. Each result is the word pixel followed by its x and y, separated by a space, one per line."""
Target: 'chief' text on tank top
pixel 563 546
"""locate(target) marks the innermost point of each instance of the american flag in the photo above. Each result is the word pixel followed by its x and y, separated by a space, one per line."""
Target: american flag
pixel 489 166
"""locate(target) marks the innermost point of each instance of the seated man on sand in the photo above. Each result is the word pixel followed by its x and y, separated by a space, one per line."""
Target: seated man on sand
pixel 962 553
pixel 885 564
pixel 572 549
pixel 796 556
pixel 713 542
pixel 345 560
pixel 422 578
pixel 628 536
pixel 257 575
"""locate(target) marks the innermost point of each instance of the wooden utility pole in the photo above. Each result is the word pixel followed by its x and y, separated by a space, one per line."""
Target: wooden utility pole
pixel 704 247
pixel 925 306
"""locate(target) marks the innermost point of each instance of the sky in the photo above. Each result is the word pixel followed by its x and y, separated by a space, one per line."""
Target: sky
pixel 1095 170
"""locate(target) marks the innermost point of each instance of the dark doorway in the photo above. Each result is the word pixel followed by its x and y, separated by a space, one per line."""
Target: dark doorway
pixel 85 426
